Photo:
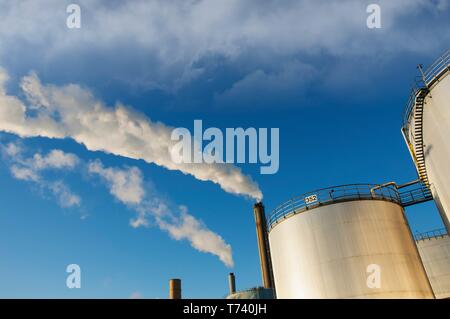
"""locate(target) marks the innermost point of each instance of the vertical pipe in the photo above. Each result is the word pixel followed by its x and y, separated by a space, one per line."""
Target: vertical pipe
pixel 232 283
pixel 263 245
pixel 175 289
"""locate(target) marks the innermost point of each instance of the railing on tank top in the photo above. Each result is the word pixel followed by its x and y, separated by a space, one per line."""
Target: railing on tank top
pixel 432 73
pixel 435 233
pixel 404 195
pixel 331 195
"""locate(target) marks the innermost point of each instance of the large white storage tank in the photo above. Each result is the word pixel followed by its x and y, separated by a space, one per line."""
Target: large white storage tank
pixel 427 131
pixel 434 249
pixel 333 243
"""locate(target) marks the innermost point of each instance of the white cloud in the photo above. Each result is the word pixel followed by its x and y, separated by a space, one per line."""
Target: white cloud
pixel 29 169
pixel 192 28
pixel 12 150
pixel 24 173
pixel 126 184
pixel 56 159
pixel 65 196
pixel 162 40
pixel 71 111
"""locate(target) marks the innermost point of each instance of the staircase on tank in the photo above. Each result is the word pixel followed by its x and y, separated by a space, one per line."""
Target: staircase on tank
pixel 419 150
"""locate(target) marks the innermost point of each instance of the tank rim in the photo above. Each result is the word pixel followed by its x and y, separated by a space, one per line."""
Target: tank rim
pixel 332 195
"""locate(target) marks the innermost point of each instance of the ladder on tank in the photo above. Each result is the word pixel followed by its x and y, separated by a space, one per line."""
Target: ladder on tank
pixel 415 108
pixel 419 150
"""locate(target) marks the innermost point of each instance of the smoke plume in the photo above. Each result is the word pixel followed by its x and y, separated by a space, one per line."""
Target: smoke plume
pixel 71 111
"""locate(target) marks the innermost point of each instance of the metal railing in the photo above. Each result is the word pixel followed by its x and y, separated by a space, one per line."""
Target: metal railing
pixel 441 232
pixel 407 194
pixel 429 76
pixel 437 67
pixel 416 194
pixel 332 195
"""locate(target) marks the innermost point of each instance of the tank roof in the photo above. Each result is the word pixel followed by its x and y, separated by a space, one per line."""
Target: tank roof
pixel 331 195
pixel 405 195
pixel 432 74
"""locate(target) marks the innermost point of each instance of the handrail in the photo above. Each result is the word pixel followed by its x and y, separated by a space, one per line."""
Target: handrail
pixel 407 194
pixel 331 195
pixel 429 76
pixel 437 67
pixel 418 193
pixel 441 232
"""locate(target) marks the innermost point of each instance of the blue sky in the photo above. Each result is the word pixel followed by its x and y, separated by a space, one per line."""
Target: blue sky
pixel 335 89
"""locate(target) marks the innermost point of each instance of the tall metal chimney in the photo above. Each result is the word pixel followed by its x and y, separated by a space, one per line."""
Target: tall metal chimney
pixel 232 283
pixel 175 289
pixel 263 245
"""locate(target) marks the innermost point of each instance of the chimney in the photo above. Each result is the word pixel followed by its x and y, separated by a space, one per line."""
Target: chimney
pixel 175 289
pixel 232 283
pixel 263 245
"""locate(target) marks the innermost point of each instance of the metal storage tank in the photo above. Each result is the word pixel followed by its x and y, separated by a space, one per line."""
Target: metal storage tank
pixel 327 243
pixel 434 249
pixel 426 128
pixel 252 293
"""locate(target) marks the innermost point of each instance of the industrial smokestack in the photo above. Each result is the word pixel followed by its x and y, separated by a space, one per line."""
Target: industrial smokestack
pixel 232 283
pixel 175 289
pixel 263 245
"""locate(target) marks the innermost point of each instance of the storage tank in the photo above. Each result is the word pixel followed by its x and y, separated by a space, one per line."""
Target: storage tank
pixel 434 249
pixel 350 241
pixel 252 293
pixel 426 128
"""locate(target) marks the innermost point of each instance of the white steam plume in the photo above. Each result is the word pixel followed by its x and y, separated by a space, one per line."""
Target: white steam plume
pixel 30 169
pixel 126 185
pixel 72 111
